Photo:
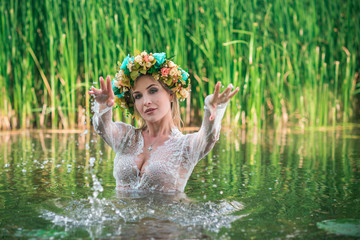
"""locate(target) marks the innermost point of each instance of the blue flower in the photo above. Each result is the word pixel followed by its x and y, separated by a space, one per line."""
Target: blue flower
pixel 125 62
pixel 160 59
pixel 184 75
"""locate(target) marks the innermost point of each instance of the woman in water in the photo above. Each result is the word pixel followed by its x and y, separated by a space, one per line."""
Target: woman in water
pixel 155 156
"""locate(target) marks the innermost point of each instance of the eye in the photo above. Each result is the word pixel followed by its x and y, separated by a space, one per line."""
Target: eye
pixel 137 96
pixel 153 90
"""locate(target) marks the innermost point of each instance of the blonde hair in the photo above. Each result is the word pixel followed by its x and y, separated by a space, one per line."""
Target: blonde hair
pixel 175 107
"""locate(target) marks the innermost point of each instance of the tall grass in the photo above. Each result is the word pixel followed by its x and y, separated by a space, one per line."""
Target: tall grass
pixel 295 61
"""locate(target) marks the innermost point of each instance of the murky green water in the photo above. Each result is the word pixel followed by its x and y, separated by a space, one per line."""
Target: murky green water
pixel 268 185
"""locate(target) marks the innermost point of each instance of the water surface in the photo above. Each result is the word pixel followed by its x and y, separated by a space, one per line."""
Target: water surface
pixel 273 185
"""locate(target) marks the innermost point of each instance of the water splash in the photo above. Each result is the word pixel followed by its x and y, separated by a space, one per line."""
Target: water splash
pixel 124 213
pixel 150 214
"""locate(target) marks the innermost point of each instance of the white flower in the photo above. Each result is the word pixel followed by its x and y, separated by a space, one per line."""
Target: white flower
pixel 171 64
pixel 117 75
pixel 117 84
pixel 129 66
pixel 151 58
pixel 144 53
pixel 148 64
pixel 138 59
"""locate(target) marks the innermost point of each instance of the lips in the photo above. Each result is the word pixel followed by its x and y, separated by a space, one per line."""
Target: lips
pixel 150 110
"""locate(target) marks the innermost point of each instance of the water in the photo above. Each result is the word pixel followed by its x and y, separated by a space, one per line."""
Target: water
pixel 265 185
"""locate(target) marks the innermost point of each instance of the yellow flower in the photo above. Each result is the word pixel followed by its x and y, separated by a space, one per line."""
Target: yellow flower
pixel 173 72
pixel 156 77
pixel 184 93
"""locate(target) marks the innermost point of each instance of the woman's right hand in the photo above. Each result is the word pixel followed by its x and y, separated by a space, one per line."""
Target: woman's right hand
pixel 105 94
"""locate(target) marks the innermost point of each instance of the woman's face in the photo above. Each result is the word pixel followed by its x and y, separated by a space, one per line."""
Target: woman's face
pixel 152 101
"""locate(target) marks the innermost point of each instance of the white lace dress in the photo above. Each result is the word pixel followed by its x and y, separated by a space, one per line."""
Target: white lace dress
pixel 169 165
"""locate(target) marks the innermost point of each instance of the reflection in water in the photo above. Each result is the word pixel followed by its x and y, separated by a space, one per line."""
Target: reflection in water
pixel 273 184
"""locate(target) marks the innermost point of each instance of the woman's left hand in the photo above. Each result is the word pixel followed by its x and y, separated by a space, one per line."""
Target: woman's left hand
pixel 221 98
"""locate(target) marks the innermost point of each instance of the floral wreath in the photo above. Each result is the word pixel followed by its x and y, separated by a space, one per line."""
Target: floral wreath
pixel 156 64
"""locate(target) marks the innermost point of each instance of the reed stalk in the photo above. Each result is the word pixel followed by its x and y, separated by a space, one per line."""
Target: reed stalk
pixel 281 54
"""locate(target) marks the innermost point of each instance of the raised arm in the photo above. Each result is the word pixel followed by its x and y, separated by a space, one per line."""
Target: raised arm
pixel 111 132
pixel 203 141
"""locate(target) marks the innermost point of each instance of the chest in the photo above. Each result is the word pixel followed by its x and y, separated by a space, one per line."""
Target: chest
pixel 142 161
pixel 150 148
pixel 135 159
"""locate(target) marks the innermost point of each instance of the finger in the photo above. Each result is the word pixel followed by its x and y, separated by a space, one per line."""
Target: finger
pixel 102 84
pixel 110 90
pixel 234 92
pixel 91 92
pixel 217 89
pixel 108 83
pixel 216 93
pixel 224 95
pixel 226 91
pixel 95 91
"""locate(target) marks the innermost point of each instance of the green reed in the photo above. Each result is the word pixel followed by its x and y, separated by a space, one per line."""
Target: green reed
pixel 295 62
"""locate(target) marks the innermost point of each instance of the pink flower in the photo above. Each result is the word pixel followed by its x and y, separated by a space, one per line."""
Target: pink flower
pixel 165 72
pixel 146 58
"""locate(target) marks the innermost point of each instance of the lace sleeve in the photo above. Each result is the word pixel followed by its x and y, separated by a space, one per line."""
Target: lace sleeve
pixel 112 132
pixel 201 142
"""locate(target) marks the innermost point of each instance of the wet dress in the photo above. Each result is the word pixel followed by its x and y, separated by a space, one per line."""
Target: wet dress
pixel 169 165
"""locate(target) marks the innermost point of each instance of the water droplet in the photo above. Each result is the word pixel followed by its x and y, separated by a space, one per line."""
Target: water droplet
pixel 92 161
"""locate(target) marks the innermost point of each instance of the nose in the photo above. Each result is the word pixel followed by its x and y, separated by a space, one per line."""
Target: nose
pixel 147 100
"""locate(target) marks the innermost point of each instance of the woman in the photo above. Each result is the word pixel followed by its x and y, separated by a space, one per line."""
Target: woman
pixel 156 156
